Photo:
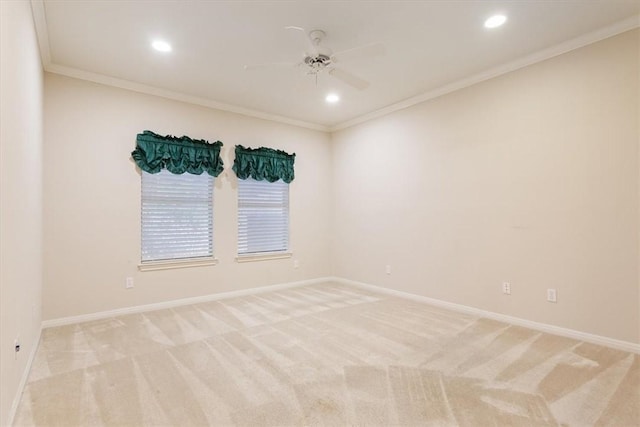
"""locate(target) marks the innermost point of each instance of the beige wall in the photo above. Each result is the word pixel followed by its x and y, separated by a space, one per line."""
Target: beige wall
pixel 531 178
pixel 92 199
pixel 20 196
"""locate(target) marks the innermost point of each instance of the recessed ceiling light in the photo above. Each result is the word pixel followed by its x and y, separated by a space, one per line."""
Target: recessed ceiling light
pixel 495 21
pixel 332 98
pixel 161 46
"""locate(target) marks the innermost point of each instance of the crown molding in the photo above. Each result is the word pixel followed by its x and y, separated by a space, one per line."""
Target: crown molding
pixel 42 32
pixel 177 96
pixel 578 42
pixel 39 16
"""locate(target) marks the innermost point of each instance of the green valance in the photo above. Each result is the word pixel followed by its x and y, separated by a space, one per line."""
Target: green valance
pixel 263 164
pixel 178 155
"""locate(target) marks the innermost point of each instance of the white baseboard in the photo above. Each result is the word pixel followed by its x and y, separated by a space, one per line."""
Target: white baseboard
pixel 552 329
pixel 23 379
pixel 543 327
pixel 177 303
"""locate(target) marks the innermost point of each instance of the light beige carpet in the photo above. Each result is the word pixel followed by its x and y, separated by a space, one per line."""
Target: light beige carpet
pixel 323 355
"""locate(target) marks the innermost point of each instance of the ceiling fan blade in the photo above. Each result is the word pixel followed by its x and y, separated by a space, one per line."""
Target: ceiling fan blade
pixel 311 48
pixel 250 67
pixel 349 78
pixel 374 49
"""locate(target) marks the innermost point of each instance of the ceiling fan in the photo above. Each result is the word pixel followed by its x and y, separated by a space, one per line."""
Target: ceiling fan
pixel 318 59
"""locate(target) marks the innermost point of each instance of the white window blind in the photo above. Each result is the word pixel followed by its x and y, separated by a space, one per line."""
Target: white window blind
pixel 263 216
pixel 177 216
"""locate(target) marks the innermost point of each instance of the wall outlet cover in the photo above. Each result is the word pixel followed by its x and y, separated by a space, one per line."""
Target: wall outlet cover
pixel 506 288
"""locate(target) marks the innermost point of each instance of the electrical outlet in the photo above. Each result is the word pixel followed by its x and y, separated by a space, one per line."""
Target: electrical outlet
pixel 506 288
pixel 128 283
pixel 296 264
pixel 387 269
pixel 552 295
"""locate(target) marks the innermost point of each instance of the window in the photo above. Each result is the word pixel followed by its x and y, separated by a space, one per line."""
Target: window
pixel 177 216
pixel 263 175
pixel 263 217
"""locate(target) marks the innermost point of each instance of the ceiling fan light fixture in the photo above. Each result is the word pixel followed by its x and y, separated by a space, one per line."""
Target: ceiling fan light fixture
pixel 332 98
pixel 161 46
pixel 319 59
pixel 495 21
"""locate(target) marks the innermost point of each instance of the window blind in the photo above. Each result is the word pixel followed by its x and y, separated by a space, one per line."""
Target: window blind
pixel 263 216
pixel 177 216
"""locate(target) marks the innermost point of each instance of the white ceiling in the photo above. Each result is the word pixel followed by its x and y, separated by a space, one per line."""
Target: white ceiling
pixel 431 47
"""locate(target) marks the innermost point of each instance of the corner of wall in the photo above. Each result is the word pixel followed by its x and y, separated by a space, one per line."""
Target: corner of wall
pixel 21 144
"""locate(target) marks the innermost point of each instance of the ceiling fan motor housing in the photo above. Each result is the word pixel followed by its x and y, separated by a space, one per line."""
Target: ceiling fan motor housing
pixel 318 63
pixel 318 59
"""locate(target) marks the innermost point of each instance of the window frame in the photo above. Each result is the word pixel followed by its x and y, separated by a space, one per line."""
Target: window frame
pixel 177 262
pixel 271 254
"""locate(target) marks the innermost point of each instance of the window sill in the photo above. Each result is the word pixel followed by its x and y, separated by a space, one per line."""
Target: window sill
pixel 171 264
pixel 263 256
